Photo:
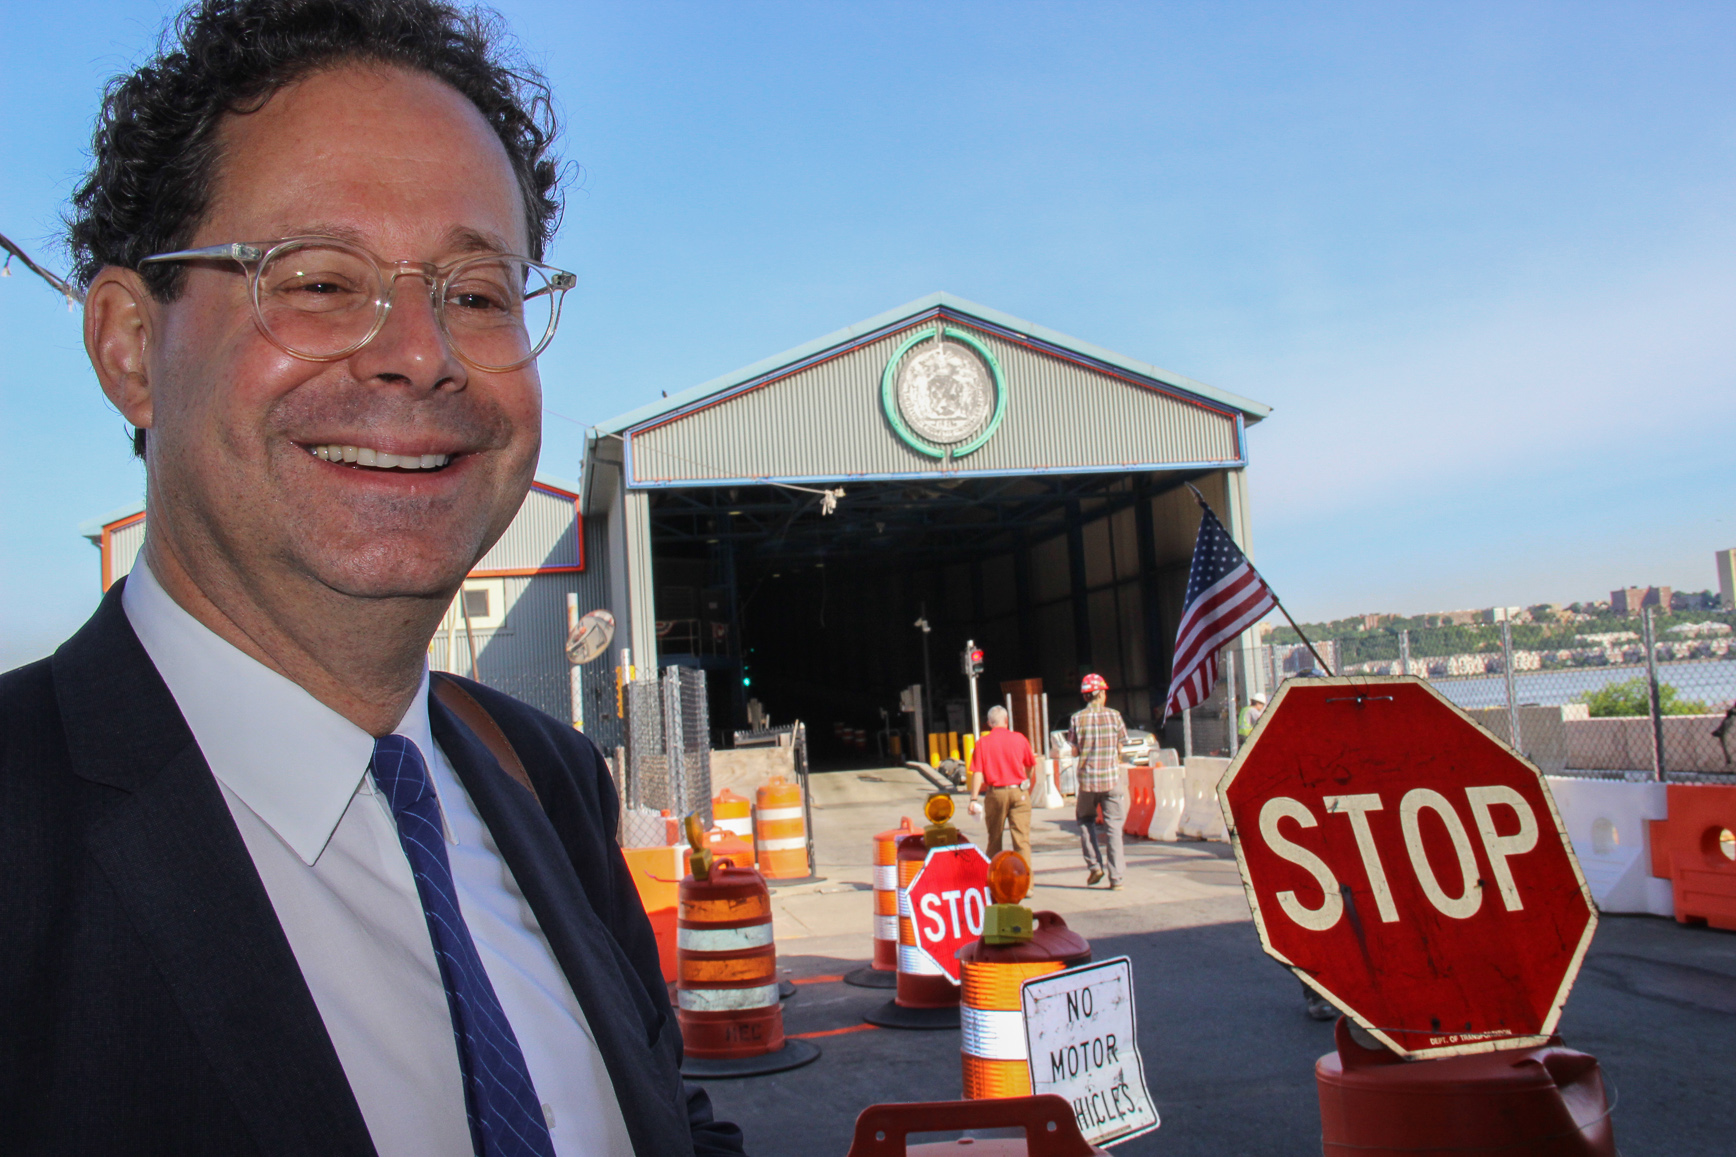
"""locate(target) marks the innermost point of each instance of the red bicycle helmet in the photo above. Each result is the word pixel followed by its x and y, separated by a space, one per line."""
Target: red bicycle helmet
pixel 1093 683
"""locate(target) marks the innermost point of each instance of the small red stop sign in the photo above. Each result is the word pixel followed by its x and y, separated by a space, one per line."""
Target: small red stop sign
pixel 1407 865
pixel 949 899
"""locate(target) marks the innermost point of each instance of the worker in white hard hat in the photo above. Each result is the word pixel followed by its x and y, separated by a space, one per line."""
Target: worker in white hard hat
pixel 1250 715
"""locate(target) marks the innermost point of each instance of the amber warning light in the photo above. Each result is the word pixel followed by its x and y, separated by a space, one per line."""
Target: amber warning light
pixel 1007 921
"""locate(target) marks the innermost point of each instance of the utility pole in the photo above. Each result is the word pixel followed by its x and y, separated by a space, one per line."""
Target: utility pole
pixel 1655 700
pixel 921 624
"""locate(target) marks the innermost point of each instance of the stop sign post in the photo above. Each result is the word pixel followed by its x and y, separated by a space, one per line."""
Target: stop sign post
pixel 949 898
pixel 1407 865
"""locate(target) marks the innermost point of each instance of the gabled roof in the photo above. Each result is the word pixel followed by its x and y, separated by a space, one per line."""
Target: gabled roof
pixel 91 528
pixel 1251 410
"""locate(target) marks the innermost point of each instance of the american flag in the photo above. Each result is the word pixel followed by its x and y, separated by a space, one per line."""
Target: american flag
pixel 1225 596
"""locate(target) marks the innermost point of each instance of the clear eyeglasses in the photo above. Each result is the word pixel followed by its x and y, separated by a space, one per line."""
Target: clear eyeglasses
pixel 321 299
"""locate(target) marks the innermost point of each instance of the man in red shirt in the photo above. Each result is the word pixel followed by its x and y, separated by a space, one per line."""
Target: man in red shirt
pixel 1003 761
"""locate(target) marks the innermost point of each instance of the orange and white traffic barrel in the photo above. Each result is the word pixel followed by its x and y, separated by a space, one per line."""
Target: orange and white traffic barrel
pixel 1016 946
pixel 734 814
pixel 726 845
pixel 780 833
pixel 726 988
pixel 926 997
pixel 883 970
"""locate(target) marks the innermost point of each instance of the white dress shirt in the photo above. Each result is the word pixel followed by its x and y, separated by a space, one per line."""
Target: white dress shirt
pixel 295 776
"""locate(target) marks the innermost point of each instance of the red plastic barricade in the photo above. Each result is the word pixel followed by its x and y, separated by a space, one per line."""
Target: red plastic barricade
pixel 1694 848
pixel 1050 1130
pixel 1141 802
pixel 1539 1102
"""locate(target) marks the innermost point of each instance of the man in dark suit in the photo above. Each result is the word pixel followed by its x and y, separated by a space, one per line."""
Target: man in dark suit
pixel 265 886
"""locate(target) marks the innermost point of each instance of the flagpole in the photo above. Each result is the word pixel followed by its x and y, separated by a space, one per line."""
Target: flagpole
pixel 1303 637
pixel 1201 499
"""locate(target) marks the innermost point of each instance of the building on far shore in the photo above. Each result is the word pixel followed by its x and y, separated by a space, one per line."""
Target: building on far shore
pixel 1726 560
pixel 1631 600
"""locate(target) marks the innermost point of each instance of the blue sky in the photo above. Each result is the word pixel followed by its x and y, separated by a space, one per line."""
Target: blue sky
pixel 1478 257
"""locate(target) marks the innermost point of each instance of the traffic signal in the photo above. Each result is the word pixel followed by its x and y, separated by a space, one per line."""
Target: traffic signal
pixel 973 661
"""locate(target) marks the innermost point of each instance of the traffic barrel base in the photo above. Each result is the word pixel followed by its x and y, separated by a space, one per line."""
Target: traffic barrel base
pixel 895 1015
pixel 871 977
pixel 1048 1122
pixel 1537 1102
pixel 793 1055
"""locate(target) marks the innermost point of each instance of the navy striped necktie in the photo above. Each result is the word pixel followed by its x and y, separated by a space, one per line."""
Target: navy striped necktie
pixel 506 1118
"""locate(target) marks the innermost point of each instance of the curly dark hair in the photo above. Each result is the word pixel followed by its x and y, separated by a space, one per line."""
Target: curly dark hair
pixel 155 145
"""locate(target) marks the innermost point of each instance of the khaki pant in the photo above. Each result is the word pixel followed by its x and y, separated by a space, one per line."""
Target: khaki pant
pixel 1001 804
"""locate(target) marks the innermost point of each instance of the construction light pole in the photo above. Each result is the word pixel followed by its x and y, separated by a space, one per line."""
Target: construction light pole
pixel 921 624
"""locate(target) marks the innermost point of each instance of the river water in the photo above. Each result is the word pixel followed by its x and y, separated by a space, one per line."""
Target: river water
pixel 1711 681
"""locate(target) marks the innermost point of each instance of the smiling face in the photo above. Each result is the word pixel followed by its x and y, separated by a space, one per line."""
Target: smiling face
pixel 243 478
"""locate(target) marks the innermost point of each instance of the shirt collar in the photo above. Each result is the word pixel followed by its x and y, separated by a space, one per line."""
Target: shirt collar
pixel 292 760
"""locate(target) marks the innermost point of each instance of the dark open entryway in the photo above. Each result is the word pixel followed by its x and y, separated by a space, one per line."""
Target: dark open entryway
pixel 814 614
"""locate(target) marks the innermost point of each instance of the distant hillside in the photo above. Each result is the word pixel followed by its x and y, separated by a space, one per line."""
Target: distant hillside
pixel 1431 638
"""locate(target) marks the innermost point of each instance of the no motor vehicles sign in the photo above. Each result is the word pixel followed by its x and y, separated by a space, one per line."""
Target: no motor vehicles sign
pixel 1079 1036
pixel 1408 865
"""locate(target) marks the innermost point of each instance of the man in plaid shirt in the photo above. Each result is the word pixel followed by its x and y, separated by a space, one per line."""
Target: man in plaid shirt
pixel 1097 734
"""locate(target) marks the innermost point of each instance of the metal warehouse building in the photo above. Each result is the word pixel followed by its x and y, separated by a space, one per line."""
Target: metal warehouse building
pixel 1009 484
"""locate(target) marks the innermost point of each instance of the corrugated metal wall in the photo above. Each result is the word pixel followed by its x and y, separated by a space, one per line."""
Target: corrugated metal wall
pixel 526 655
pixel 542 534
pixel 827 422
pixel 124 547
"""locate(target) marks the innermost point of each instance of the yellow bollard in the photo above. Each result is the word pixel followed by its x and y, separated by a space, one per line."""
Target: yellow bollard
pixel 934 749
pixel 969 742
pixel 952 743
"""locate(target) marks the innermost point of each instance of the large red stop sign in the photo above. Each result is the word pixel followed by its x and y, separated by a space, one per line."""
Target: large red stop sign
pixel 1407 865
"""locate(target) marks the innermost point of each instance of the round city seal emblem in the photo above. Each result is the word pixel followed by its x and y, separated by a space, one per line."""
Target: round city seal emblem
pixel 943 392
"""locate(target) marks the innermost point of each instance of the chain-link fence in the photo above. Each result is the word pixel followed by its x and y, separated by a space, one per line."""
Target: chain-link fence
pixel 552 691
pixel 1621 700
pixel 667 765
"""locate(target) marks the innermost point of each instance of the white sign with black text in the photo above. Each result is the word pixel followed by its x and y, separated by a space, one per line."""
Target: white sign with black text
pixel 1079 1036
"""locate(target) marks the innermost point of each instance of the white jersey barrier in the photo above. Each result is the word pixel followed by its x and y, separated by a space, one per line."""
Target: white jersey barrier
pixel 1202 818
pixel 1607 822
pixel 1170 784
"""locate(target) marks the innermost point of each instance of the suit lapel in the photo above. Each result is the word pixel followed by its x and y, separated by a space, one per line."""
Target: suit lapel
pixel 594 964
pixel 169 848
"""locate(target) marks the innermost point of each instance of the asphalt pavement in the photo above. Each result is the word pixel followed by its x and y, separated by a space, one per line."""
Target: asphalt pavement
pixel 1227 1047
